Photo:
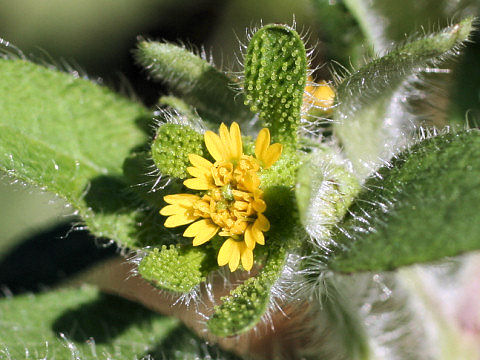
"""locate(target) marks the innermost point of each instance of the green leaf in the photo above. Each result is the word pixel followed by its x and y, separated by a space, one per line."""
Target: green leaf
pixel 421 208
pixel 71 137
pixel 275 76
pixel 177 268
pixel 370 121
pixel 387 21
pixel 142 177
pixel 244 307
pixel 194 80
pixel 84 324
pixel 72 127
pixel 80 324
pixel 391 326
pixel 183 344
pixel 324 190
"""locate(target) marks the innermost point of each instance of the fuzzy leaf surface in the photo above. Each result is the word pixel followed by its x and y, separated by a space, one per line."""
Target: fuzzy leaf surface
pixel 181 108
pixel 84 324
pixel 70 136
pixel 421 208
pixel 80 324
pixel 387 21
pixel 194 80
pixel 324 191
pixel 370 119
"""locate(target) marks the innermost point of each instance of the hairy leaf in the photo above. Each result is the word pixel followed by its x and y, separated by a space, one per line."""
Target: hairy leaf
pixel 325 189
pixel 387 21
pixel 275 76
pixel 80 324
pixel 142 177
pixel 371 122
pixel 70 136
pixel 195 80
pixel 84 324
pixel 420 208
pixel 184 111
pixel 380 325
pixel 337 322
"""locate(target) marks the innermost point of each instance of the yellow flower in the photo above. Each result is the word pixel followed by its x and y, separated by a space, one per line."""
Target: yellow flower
pixel 231 203
pixel 320 95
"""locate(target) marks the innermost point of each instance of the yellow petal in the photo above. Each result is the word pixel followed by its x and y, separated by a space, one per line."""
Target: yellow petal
pixel 251 182
pixel 225 252
pixel 271 155
pixel 199 172
pixel 309 88
pixel 241 195
pixel 203 231
pixel 199 161
pixel 196 228
pixel 262 223
pixel 324 94
pixel 240 205
pixel 181 199
pixel 262 143
pixel 198 184
pixel 236 141
pixel 179 220
pixel 249 237
pixel 225 138
pixel 256 236
pixel 234 257
pixel 247 258
pixel 173 210
pixel 259 205
pixel 215 146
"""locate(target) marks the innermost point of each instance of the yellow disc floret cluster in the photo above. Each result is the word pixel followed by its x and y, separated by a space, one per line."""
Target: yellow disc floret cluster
pixel 231 201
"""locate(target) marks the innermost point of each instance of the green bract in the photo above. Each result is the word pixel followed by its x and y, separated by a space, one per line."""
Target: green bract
pixel 171 147
pixel 275 75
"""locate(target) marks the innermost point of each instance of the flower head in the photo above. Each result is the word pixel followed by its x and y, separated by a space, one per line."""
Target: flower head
pixel 230 202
